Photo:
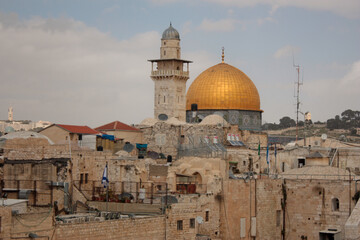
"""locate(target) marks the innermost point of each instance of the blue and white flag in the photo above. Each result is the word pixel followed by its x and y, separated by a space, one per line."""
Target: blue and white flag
pixel 105 180
pixel 267 154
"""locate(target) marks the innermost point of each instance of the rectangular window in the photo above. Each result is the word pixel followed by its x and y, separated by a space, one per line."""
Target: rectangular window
pixel 179 225
pixel 86 177
pixel 0 225
pixel 206 216
pixel 278 216
pixel 81 178
pixel 192 222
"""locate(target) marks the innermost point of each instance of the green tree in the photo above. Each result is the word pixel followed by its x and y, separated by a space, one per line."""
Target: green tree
pixel 287 122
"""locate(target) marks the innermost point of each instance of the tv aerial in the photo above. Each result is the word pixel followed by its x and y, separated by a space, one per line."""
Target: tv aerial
pixel 323 136
pixel 199 219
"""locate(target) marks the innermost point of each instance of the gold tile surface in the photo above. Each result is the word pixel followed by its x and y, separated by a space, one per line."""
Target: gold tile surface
pixel 223 87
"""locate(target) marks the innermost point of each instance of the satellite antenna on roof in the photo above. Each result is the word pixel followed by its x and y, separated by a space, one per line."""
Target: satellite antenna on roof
pixel 199 219
pixel 153 155
pixel 323 136
pixel 128 147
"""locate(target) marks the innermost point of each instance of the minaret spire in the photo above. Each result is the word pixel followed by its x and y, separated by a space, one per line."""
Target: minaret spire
pixel 222 55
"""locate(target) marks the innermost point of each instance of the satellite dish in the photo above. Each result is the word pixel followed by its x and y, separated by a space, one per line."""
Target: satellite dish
pixel 163 117
pixel 199 219
pixel 323 136
pixel 128 147
pixel 153 155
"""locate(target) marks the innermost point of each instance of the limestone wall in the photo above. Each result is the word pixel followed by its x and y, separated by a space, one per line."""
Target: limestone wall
pixel 145 228
pixel 309 207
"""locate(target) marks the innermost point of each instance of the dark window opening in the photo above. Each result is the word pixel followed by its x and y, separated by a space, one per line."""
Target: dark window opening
pixel 301 162
pixel 86 177
pixel 335 204
pixel 278 216
pixel 206 216
pixel 81 178
pixel 164 53
pixel 192 222
pixel 164 98
pixel 179 225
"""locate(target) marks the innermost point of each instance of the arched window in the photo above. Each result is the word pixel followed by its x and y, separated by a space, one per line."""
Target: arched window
pixel 164 53
pixel 335 204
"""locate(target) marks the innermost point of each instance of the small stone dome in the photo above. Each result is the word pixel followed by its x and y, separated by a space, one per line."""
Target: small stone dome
pixel 170 33
pixel 9 129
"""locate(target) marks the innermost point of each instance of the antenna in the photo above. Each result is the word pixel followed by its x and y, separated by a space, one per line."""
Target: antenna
pixel 297 96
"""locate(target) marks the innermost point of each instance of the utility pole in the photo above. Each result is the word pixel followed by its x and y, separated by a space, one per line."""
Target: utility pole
pixel 297 96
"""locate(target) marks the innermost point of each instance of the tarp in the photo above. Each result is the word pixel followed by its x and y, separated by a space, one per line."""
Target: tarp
pixel 110 137
pixel 140 146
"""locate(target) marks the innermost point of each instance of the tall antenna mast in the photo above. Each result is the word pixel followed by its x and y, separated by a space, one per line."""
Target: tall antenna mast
pixel 297 96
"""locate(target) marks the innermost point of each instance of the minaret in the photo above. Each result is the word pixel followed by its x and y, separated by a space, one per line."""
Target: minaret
pixel 10 114
pixel 170 78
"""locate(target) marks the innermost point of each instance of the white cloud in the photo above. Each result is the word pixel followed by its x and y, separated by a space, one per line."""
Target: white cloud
pixel 351 81
pixel 186 28
pixel 286 51
pixel 340 94
pixel 262 21
pixel 346 8
pixel 222 25
pixel 64 71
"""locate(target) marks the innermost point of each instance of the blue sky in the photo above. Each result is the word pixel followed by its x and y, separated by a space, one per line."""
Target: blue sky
pixel 84 62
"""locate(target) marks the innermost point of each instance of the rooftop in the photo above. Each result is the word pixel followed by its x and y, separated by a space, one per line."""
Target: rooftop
pixel 77 129
pixel 116 125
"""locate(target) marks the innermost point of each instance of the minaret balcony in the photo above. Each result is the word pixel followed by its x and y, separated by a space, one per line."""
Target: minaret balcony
pixel 169 73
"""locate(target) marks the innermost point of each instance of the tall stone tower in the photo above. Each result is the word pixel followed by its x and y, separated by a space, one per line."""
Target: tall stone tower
pixel 170 78
pixel 10 114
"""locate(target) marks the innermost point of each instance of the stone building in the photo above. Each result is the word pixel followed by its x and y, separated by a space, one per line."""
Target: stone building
pixel 65 134
pixel 170 78
pixel 122 131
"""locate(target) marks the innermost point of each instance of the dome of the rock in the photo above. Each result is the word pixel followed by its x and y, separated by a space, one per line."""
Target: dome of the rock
pixel 226 90
pixel 223 87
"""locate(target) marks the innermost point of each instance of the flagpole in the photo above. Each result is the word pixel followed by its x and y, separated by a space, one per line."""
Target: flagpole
pixel 275 153
pixel 107 187
pixel 259 159
pixel 267 159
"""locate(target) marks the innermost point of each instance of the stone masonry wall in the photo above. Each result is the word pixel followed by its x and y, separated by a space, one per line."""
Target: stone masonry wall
pixel 144 228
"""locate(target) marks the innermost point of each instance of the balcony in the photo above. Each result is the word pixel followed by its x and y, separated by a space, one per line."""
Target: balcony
pixel 168 73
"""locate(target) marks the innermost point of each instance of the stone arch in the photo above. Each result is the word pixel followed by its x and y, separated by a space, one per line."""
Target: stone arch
pixel 197 178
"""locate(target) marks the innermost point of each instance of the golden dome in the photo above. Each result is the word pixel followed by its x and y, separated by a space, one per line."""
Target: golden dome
pixel 223 87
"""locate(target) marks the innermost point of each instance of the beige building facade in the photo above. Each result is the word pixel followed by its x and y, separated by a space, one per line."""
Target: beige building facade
pixel 170 76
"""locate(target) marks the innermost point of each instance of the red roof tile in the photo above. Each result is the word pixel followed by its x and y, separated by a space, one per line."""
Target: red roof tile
pixel 78 129
pixel 116 125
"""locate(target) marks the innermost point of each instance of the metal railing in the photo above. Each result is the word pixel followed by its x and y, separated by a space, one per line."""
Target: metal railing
pixel 170 73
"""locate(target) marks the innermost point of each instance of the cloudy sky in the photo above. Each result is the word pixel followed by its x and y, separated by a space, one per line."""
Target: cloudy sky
pixel 85 61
